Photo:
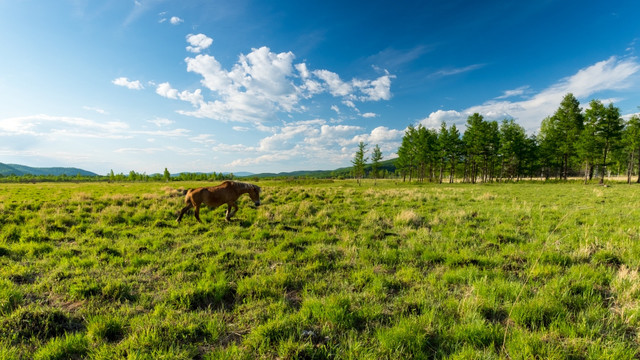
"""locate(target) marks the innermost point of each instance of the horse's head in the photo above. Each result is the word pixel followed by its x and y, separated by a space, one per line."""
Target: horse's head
pixel 254 194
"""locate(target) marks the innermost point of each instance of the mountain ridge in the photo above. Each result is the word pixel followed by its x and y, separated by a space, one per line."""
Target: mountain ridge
pixel 20 170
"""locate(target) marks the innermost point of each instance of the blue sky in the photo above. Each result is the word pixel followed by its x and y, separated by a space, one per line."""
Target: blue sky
pixel 271 86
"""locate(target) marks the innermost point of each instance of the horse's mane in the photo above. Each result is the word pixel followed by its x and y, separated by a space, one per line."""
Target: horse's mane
pixel 244 186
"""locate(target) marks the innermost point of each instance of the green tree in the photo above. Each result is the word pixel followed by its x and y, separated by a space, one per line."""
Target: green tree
pixel 512 147
pixel 407 153
pixel 473 141
pixel 549 153
pixel 569 122
pixel 359 161
pixel 443 139
pixel 607 127
pixel 450 148
pixel 455 149
pixel 531 156
pixel 376 157
pixel 427 150
pixel 631 141
pixel 587 148
pixel 133 176
pixel 482 141
pixel 166 176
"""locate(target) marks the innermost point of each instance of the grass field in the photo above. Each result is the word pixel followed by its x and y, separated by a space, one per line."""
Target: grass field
pixel 321 270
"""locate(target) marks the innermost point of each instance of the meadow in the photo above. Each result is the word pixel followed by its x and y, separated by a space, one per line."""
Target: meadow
pixel 323 269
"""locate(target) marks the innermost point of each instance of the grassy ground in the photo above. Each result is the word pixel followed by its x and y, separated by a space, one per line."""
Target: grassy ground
pixel 321 270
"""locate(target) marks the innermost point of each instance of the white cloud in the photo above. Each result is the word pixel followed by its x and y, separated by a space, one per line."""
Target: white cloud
pixel 133 85
pixel 337 87
pixel 456 71
pixel 313 144
pixel 140 150
pixel 95 109
pixel 160 122
pixel 198 42
pixel 262 84
pixel 369 115
pixel 363 90
pixel 62 126
pixel 167 91
pixel 629 116
pixel 379 89
pixel 203 139
pixel 175 20
pixel 515 92
pixel 350 104
pixel 611 74
pixel 437 117
pixel 165 133
pixel 379 135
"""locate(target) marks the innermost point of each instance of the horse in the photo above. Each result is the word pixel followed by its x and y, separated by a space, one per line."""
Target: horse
pixel 226 193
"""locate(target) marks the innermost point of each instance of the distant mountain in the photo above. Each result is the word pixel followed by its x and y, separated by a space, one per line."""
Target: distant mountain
pixel 388 165
pixel 19 170
pixel 238 174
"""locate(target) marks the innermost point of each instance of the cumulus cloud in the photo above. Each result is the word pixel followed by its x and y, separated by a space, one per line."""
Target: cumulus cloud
pixel 263 83
pixel 175 20
pixel 437 117
pixel 315 142
pixel 133 85
pixel 336 86
pixel 198 42
pixel 379 89
pixel 369 115
pixel 379 135
pixel 167 91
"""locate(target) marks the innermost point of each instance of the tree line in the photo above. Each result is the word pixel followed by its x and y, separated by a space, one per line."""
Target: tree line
pixel 133 176
pixel 570 143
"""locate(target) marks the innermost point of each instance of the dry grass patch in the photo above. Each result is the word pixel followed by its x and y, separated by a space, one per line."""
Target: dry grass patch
pixel 409 218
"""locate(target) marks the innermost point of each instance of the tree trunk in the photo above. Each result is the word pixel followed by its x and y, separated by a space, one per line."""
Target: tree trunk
pixel 452 172
pixel 630 168
pixel 638 166
pixel 604 166
pixel 586 171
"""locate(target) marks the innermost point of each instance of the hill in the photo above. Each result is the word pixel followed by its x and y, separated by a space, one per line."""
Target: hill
pixel 388 165
pixel 20 170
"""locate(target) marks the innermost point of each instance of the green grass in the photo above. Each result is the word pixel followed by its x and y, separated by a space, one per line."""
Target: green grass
pixel 321 270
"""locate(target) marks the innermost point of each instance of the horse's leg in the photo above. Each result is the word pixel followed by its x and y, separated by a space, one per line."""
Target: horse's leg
pixel 184 210
pixel 197 213
pixel 229 214
pixel 234 206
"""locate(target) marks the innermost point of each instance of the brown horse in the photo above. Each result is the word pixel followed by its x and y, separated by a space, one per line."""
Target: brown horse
pixel 226 193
